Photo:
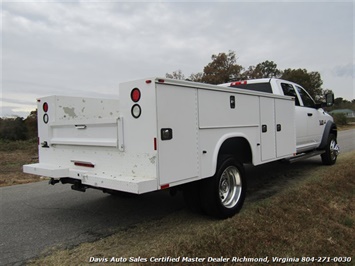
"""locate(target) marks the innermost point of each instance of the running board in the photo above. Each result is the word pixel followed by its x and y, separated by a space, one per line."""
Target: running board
pixel 302 156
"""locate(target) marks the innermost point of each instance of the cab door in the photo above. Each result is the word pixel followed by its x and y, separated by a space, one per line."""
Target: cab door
pixel 312 115
pixel 301 127
pixel 305 115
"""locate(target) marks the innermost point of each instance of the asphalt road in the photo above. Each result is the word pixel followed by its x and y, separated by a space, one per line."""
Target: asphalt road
pixel 37 217
pixel 346 140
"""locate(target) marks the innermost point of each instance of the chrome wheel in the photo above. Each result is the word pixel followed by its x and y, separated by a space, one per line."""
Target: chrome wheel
pixel 230 187
pixel 223 194
pixel 334 149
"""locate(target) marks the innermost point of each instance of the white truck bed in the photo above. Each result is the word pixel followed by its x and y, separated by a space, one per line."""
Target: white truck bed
pixel 99 143
pixel 84 139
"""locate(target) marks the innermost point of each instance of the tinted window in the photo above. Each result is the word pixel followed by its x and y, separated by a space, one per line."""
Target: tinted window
pixel 262 87
pixel 289 90
pixel 306 99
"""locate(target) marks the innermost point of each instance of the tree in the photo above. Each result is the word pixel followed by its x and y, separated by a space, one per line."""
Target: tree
pixel 177 74
pixel 31 125
pixel 13 129
pixel 338 101
pixel 311 81
pixel 266 69
pixel 222 69
pixel 196 77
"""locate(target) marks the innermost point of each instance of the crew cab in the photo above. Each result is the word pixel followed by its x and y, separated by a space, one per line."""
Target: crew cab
pixel 173 134
pixel 311 120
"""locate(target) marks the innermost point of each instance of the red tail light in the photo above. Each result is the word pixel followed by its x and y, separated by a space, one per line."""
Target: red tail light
pixel 135 95
pixel 45 107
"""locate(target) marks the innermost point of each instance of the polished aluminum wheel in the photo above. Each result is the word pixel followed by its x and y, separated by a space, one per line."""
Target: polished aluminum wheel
pixel 334 150
pixel 230 187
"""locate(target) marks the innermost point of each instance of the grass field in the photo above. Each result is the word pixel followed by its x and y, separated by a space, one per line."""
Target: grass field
pixel 12 156
pixel 311 218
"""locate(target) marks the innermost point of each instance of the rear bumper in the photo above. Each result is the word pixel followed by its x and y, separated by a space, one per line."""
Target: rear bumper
pixel 131 184
pixel 46 170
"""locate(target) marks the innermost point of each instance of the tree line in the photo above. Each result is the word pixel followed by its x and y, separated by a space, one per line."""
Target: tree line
pixel 19 128
pixel 222 69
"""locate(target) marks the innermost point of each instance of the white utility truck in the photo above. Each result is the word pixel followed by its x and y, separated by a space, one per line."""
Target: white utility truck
pixel 165 133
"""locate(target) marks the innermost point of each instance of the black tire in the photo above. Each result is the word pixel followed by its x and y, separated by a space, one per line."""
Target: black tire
pixel 192 196
pixel 222 195
pixel 331 151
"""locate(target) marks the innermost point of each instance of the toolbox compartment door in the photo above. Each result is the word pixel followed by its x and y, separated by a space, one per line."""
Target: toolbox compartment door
pixel 177 133
pixel 102 133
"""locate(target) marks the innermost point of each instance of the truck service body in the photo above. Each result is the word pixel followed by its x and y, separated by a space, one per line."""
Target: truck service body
pixel 165 133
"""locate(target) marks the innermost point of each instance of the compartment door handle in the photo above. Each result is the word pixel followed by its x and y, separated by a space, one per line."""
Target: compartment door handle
pixel 80 126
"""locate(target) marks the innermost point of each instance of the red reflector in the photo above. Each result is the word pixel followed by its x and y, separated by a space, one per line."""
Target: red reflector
pixel 161 80
pixel 135 95
pixel 148 81
pixel 45 107
pixel 165 186
pixel 236 83
pixel 84 164
pixel 155 144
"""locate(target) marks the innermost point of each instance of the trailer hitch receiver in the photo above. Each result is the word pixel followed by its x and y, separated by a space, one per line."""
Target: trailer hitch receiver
pixel 53 181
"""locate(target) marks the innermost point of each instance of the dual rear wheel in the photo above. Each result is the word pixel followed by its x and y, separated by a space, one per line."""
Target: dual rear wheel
pixel 222 195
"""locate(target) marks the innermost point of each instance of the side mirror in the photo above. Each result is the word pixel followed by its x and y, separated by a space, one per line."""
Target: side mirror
pixel 329 99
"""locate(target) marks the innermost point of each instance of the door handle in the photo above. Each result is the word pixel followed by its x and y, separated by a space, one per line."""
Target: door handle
pixel 80 126
pixel 309 114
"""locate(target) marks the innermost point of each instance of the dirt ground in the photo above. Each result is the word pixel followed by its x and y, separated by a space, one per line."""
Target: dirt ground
pixel 11 162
